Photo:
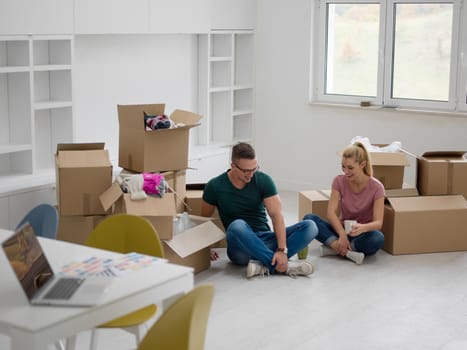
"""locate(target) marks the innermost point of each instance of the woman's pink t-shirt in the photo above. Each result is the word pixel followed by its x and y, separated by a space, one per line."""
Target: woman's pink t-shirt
pixel 357 206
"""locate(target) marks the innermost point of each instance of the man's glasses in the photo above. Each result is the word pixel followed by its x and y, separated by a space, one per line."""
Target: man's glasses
pixel 247 171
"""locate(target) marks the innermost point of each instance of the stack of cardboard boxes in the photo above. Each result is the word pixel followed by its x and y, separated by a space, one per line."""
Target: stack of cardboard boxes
pixel 163 151
pixel 427 219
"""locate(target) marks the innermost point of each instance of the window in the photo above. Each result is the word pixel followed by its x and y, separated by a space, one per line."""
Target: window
pixel 396 53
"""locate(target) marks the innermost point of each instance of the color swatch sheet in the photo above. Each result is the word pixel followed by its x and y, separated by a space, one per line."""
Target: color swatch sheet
pixel 109 267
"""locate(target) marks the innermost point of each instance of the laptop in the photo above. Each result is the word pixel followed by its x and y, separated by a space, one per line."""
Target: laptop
pixel 40 284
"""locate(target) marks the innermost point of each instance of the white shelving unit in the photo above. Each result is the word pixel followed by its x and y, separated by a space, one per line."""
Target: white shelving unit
pixel 36 109
pixel 226 86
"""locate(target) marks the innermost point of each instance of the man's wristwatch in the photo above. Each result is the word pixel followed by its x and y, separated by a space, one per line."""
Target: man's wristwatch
pixel 283 250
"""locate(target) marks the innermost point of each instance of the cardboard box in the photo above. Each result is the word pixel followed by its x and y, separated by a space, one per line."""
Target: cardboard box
pixel 315 202
pixel 76 229
pixel 442 173
pixel 388 167
pixel 83 172
pixel 177 182
pixel 159 211
pixel 193 199
pixel 192 246
pixel 154 150
pixel 425 224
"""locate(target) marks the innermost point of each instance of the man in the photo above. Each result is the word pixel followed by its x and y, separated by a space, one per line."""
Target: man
pixel 242 196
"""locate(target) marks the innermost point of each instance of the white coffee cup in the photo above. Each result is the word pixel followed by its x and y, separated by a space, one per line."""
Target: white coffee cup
pixel 348 224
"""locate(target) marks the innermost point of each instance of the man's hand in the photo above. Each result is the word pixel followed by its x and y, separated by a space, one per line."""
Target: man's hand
pixel 280 261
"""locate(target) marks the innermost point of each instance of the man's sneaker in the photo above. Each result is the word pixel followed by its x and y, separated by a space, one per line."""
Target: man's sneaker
pixel 255 268
pixel 299 268
pixel 356 257
pixel 325 250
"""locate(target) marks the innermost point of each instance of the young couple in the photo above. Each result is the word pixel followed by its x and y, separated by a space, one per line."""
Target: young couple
pixel 244 196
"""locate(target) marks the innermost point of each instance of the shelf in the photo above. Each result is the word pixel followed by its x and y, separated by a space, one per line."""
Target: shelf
pixel 226 95
pixel 51 67
pixel 14 69
pixel 35 103
pixel 14 53
pixel 39 105
pixel 12 148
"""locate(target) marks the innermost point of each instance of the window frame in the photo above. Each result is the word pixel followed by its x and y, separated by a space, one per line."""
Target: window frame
pixel 458 70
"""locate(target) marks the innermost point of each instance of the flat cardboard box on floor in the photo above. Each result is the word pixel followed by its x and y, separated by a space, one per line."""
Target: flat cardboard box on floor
pixel 425 224
pixel 76 229
pixel 160 211
pixel 442 173
pixel 155 150
pixel 192 246
pixel 83 172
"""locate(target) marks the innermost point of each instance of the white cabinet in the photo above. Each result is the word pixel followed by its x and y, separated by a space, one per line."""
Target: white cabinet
pixel 206 162
pixel 15 206
pixel 111 16
pixel 35 105
pixel 179 16
pixel 36 17
pixel 226 86
pixel 233 14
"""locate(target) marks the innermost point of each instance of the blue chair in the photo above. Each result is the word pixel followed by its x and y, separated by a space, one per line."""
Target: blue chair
pixel 43 219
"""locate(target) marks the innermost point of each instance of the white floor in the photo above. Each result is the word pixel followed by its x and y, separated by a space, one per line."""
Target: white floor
pixel 389 302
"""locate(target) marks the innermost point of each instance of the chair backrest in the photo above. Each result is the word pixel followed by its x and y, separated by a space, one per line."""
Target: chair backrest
pixel 183 325
pixel 43 219
pixel 125 233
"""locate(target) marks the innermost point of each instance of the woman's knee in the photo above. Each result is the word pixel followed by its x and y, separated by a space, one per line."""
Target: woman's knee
pixel 374 242
pixel 310 229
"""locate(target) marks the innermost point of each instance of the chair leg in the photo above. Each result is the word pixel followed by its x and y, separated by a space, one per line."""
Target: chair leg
pixel 70 343
pixel 94 336
pixel 59 345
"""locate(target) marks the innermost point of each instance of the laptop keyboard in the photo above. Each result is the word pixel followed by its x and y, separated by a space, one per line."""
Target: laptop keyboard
pixel 64 288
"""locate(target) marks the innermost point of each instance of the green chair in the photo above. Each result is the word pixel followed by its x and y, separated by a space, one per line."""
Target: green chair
pixel 183 325
pixel 125 233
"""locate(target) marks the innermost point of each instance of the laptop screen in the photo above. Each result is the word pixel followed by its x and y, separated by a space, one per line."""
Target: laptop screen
pixel 27 259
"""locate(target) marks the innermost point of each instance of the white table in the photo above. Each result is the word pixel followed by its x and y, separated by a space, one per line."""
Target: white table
pixel 35 327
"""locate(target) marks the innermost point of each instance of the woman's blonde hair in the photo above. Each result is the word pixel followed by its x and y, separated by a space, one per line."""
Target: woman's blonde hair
pixel 358 151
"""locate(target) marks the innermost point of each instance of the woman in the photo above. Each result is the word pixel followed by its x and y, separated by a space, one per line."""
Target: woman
pixel 356 195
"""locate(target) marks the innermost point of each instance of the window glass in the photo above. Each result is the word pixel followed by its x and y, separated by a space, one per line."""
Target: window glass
pixel 422 51
pixel 352 49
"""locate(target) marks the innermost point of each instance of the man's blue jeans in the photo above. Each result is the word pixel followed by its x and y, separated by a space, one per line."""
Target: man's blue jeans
pixel 368 243
pixel 244 244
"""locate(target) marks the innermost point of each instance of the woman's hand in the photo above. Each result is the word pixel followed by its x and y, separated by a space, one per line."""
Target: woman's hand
pixel 343 245
pixel 357 230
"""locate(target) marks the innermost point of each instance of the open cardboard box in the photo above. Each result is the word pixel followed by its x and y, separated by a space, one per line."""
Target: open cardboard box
pixel 83 172
pixel 442 173
pixel 154 150
pixel 425 224
pixel 388 167
pixel 190 247
pixel 159 211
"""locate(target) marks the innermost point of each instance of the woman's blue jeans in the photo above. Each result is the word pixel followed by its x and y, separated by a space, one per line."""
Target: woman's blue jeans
pixel 244 244
pixel 368 243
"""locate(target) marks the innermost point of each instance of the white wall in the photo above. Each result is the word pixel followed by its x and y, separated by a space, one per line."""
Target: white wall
pixel 297 142
pixel 130 69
